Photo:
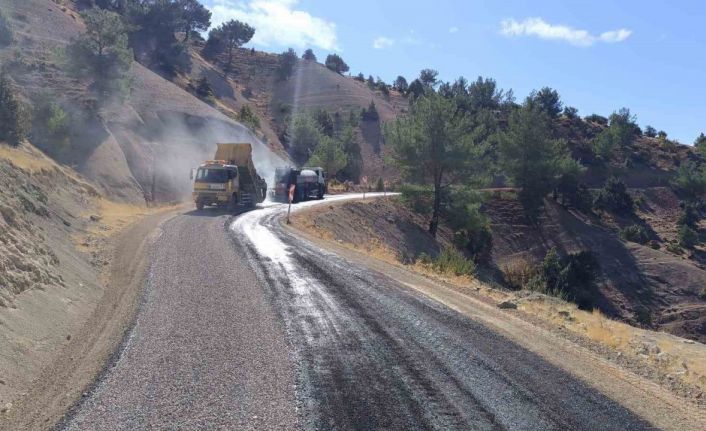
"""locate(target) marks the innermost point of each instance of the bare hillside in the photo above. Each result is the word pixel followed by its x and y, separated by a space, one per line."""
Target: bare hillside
pixel 138 150
pixel 253 81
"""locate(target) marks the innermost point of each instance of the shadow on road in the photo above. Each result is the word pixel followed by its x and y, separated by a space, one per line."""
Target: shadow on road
pixel 217 212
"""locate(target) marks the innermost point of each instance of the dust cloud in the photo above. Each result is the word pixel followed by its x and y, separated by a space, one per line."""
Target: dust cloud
pixel 177 143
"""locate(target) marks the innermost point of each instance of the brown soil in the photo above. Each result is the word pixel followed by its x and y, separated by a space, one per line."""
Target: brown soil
pixel 375 223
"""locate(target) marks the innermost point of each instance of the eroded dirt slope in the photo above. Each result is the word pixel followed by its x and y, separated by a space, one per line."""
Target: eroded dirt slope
pixel 136 150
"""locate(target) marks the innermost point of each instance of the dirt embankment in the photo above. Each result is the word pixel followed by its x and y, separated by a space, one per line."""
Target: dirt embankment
pixel 133 149
pixel 388 231
pixel 61 313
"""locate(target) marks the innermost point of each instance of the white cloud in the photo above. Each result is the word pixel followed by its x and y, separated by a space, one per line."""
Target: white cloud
pixel 539 28
pixel 382 42
pixel 453 30
pixel 277 22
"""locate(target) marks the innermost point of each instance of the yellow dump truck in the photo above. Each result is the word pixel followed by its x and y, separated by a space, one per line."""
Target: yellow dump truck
pixel 229 180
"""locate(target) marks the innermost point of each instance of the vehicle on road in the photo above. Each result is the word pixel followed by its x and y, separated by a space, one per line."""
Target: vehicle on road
pixel 230 180
pixel 310 183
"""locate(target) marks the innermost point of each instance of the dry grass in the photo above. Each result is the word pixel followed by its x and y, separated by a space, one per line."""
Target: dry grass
pixel 518 272
pixel 680 359
pixel 32 160
pixel 27 158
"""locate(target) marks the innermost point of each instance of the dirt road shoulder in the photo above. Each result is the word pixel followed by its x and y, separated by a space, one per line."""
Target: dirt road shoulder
pixel 86 354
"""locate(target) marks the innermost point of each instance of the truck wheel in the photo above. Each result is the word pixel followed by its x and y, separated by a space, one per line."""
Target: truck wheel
pixel 232 203
pixel 199 205
pixel 320 194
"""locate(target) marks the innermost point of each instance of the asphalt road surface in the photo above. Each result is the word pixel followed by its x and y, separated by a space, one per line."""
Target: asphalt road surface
pixel 246 326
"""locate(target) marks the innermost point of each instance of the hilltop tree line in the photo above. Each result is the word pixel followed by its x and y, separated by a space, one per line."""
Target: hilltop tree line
pixel 459 133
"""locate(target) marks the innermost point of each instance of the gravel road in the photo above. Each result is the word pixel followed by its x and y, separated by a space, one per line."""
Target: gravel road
pixel 207 352
pixel 373 354
pixel 246 326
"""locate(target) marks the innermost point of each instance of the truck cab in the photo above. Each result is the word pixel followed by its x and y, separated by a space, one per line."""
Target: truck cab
pixel 216 183
pixel 229 180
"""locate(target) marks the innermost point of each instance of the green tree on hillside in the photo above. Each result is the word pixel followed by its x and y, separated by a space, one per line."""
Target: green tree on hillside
pixel 329 154
pixel 370 114
pixel 226 38
pixel 619 134
pixel 304 136
pixel 195 17
pixel 416 89
pixel 5 31
pixel 287 61
pixel 354 158
pixel 325 122
pixel 428 77
pixel 690 181
pixel 14 116
pixel 530 156
pixel 400 84
pixel 650 132
pixel 700 144
pixel 101 53
pixel 547 100
pixel 309 55
pixel 335 62
pixel 432 144
pixel 153 26
pixel 483 93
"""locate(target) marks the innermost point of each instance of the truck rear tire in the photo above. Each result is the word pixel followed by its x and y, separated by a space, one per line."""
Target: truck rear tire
pixel 232 203
pixel 199 206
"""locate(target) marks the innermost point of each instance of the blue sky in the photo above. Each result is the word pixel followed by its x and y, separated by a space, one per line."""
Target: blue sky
pixel 600 55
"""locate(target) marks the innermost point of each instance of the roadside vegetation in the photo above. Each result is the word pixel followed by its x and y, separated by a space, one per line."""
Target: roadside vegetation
pixel 458 138
pixel 101 55
pixel 15 117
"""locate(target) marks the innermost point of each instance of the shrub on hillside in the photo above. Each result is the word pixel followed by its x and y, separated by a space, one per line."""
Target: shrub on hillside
pixel 247 116
pixel 688 237
pixel 634 233
pixel 309 55
pixel 570 112
pixel 400 84
pixel 335 63
pixel 518 273
pixel 449 262
pixel 15 118
pixel 690 181
pixel 614 197
pixel 204 91
pixel 700 144
pixel 689 215
pixel 572 277
pixel 51 125
pixel 370 114
pixel 287 61
pixel 598 119
pixel 359 77
pixel 6 36
pixel 471 227
pixel 650 132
